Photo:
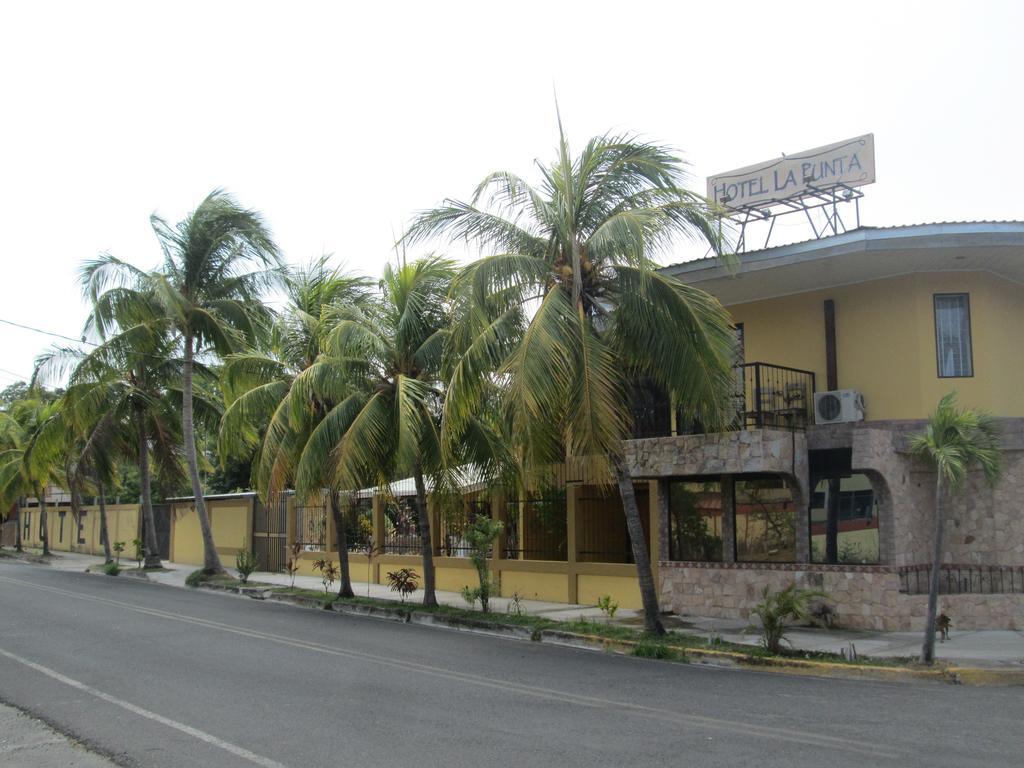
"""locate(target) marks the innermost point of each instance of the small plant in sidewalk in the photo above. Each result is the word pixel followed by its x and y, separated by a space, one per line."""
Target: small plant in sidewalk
pixel 140 552
pixel 404 581
pixel 471 595
pixel 118 549
pixel 608 606
pixel 515 605
pixel 292 566
pixel 481 537
pixel 111 569
pixel 942 626
pixel 372 550
pixel 246 564
pixel 777 609
pixel 329 573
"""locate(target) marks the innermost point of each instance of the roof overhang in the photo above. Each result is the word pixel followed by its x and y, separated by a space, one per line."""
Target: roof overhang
pixel 862 255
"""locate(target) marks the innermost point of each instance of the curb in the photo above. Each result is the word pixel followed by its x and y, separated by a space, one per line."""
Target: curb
pixel 955 675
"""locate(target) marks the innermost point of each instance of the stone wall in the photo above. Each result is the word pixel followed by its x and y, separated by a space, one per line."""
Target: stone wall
pixel 864 597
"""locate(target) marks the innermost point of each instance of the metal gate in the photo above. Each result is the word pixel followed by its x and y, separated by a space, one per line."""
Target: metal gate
pixel 162 522
pixel 270 535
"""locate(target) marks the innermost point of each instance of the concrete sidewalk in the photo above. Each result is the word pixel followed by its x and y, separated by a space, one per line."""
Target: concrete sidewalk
pixel 29 743
pixel 994 648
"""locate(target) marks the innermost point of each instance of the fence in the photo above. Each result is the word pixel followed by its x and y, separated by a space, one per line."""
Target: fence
pixel 359 525
pixel 8 533
pixel 457 522
pixel 401 527
pixel 537 525
pixel 964 579
pixel 601 532
pixel 311 527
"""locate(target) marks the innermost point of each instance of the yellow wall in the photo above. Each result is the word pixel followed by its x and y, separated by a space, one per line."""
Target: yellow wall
pixel 230 523
pixel 625 590
pixel 885 340
pixel 535 585
pixel 122 522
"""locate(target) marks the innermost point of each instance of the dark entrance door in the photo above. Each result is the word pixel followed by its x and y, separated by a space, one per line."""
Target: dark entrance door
pixel 270 534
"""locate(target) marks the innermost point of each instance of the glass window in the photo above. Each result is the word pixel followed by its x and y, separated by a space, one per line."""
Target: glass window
pixel 765 521
pixel 695 521
pixel 953 335
pixel 856 526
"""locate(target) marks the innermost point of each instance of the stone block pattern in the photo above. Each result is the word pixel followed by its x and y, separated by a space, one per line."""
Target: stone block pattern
pixel 864 597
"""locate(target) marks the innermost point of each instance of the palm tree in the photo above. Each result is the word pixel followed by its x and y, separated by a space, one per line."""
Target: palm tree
pixel 955 440
pixel 570 310
pixel 28 463
pixel 217 262
pixel 380 370
pixel 264 412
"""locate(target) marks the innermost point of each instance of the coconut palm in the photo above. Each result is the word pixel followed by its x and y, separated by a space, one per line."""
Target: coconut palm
pixel 28 465
pixel 380 369
pixel 265 415
pixel 954 441
pixel 217 262
pixel 570 311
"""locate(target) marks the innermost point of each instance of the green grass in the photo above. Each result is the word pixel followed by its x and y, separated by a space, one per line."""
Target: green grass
pixel 673 646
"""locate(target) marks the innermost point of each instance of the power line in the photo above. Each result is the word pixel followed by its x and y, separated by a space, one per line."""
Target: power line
pixel 15 375
pixel 48 333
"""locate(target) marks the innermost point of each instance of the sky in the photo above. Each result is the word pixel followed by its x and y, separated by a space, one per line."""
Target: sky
pixel 340 121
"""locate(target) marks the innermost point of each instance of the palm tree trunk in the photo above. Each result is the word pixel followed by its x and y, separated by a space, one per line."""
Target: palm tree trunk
pixel 44 533
pixel 211 560
pixel 928 648
pixel 17 528
pixel 104 529
pixel 427 546
pixel 149 542
pixel 648 593
pixel 341 536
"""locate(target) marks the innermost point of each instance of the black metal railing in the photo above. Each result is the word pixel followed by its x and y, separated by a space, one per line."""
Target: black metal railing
pixel 964 579
pixel 359 524
pixel 536 527
pixel 401 527
pixel 454 541
pixel 601 532
pixel 311 526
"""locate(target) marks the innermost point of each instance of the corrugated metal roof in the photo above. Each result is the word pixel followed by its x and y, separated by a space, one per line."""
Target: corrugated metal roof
pixel 864 228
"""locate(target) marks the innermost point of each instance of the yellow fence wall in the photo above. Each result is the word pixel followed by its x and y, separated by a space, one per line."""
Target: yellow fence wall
pixel 122 523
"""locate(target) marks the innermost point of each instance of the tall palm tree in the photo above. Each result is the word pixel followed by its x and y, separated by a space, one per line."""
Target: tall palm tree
pixel 954 441
pixel 264 412
pixel 380 369
pixel 28 462
pixel 572 262
pixel 217 262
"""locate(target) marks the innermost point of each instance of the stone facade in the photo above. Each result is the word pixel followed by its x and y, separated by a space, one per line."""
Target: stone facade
pixel 985 524
pixel 863 597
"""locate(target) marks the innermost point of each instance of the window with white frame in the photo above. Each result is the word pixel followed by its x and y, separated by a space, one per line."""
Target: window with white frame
pixel 953 335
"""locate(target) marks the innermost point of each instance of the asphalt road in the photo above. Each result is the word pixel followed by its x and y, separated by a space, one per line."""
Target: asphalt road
pixel 158 676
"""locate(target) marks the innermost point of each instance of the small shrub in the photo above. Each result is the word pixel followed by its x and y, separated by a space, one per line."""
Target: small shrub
pixel 404 581
pixel 111 569
pixel 292 566
pixel 942 626
pixel 481 537
pixel 329 573
pixel 246 563
pixel 607 605
pixel 515 605
pixel 649 649
pixel 118 549
pixel 777 609
pixel 195 578
pixel 140 551
pixel 471 595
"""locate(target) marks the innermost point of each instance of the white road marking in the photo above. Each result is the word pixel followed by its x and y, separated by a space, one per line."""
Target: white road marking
pixel 778 733
pixel 195 733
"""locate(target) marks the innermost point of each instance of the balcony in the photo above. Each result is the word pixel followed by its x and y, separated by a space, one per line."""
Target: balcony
pixel 767 397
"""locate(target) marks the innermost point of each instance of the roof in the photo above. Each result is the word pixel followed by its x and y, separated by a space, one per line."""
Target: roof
pixel 866 253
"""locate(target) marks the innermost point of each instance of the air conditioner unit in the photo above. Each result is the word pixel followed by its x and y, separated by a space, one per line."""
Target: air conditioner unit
pixel 837 406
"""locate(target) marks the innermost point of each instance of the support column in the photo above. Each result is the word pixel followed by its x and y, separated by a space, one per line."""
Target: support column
pixel 660 495
pixel 378 533
pixel 728 519
pixel 571 494
pixel 497 502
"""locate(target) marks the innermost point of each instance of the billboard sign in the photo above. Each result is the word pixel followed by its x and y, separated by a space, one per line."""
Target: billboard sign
pixel 790 177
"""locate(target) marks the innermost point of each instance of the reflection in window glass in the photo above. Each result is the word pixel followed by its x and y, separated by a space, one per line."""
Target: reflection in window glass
pixel 857 522
pixel 765 521
pixel 695 521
